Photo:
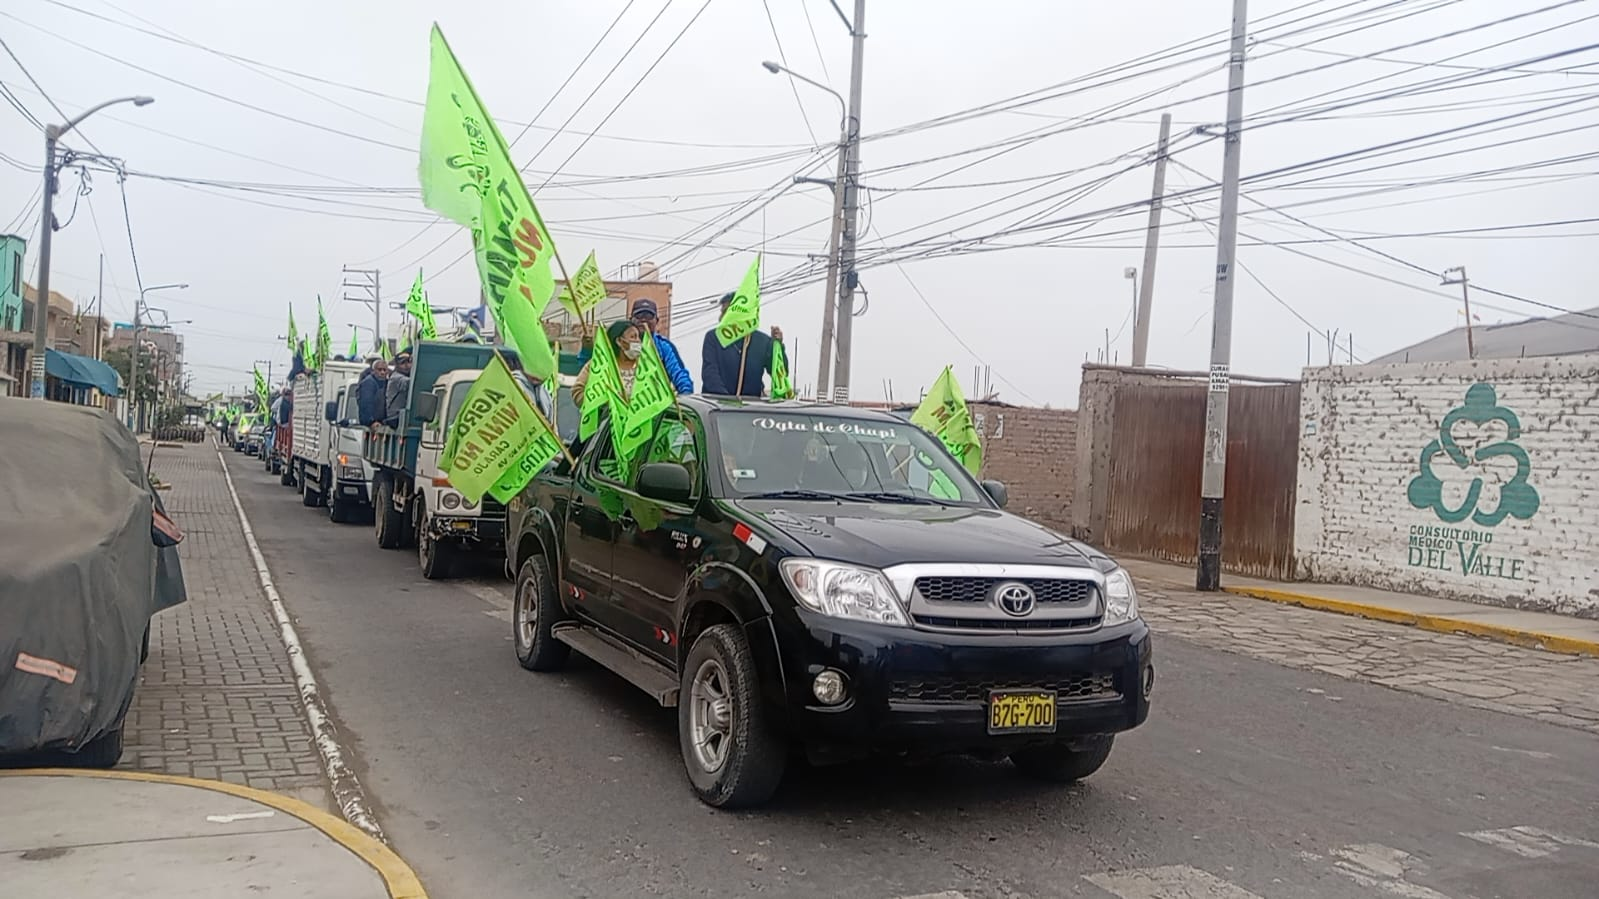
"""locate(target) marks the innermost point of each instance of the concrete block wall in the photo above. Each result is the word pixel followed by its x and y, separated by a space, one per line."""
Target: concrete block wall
pixel 1034 451
pixel 1471 480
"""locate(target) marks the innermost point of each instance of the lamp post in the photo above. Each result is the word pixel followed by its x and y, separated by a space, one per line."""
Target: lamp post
pixel 41 303
pixel 1131 274
pixel 133 356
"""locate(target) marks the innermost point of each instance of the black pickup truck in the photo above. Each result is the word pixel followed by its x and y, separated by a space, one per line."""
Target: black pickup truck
pixel 802 577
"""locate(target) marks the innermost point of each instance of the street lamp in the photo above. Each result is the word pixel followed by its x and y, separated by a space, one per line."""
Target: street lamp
pixel 133 356
pixel 1131 274
pixel 41 304
pixel 830 302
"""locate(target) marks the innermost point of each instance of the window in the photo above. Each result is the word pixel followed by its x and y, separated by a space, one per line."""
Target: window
pixel 674 442
pixel 767 451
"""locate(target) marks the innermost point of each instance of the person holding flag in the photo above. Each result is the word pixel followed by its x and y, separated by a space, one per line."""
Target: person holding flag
pixel 646 315
pixel 626 343
pixel 736 353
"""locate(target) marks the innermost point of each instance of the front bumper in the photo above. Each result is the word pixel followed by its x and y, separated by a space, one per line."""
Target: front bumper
pixel 489 531
pixel 353 491
pixel 920 691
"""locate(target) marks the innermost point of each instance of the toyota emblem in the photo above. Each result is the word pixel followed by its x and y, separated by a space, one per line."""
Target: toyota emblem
pixel 1015 598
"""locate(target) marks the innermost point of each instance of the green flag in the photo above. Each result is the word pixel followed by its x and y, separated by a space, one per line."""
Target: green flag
pixel 498 440
pixel 417 305
pixel 355 344
pixel 782 388
pixel 324 340
pixel 652 395
pixel 943 414
pixel 261 389
pixel 602 391
pixel 468 177
pixel 294 335
pixel 743 315
pixel 586 290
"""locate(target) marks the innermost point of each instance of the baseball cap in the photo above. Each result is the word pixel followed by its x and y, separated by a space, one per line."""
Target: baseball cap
pixel 645 307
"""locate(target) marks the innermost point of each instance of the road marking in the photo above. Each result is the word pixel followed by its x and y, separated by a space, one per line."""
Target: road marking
pixel 242 816
pixel 1529 753
pixel 492 595
pixel 1168 882
pixel 1378 867
pixel 347 790
pixel 1528 842
pixel 947 894
pixel 499 614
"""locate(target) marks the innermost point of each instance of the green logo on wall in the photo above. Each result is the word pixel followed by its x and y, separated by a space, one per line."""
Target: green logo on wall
pixel 1497 429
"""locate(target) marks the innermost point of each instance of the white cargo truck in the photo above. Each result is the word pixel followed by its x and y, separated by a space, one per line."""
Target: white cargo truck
pixel 328 466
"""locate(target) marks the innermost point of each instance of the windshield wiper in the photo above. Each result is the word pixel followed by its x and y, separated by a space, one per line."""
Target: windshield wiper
pixel 886 497
pixel 798 493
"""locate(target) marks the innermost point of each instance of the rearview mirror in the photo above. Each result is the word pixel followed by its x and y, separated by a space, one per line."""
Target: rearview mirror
pixel 425 407
pixel 996 491
pixel 330 412
pixel 667 482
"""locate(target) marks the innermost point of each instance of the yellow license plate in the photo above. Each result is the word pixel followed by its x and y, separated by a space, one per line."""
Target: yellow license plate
pixel 1021 711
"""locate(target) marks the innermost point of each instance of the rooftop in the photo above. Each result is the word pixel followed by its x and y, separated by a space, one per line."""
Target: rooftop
pixel 1571 334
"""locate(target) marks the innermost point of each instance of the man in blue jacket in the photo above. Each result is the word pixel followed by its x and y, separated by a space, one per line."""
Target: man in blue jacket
pixel 736 369
pixel 646 315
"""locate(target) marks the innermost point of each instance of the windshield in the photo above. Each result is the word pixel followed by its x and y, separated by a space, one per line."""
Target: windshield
pixel 767 452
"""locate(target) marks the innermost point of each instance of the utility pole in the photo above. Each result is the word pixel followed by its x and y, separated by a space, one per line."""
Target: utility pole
pixel 1146 290
pixel 824 368
pixel 851 210
pixel 1213 476
pixel 367 280
pixel 99 307
pixel 41 296
pixel 1465 297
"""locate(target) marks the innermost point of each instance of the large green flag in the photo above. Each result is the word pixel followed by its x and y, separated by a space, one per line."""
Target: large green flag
pixel 261 389
pixel 498 440
pixel 355 344
pixel 294 335
pixel 467 176
pixel 603 390
pixel 324 339
pixel 652 395
pixel 782 387
pixel 943 414
pixel 417 305
pixel 586 290
pixel 743 315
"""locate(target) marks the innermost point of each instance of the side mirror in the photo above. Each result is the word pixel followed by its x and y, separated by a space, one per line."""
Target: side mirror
pixel 667 482
pixel 425 407
pixel 330 412
pixel 996 491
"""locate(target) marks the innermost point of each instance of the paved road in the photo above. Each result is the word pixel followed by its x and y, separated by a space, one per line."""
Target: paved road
pixel 1251 779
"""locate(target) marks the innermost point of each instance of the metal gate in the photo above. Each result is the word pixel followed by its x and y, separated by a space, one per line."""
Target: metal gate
pixel 1157 437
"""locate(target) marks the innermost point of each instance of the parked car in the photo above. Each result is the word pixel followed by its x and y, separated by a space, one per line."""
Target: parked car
pixel 89 559
pixel 790 575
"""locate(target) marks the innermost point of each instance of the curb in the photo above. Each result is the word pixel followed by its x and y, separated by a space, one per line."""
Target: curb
pixel 398 878
pixel 1440 623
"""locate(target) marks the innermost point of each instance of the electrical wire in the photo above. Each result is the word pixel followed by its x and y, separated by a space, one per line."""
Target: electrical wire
pixel 782 56
pixel 47 98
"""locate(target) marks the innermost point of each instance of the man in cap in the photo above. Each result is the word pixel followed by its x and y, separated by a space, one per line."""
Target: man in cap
pixel 396 391
pixel 736 369
pixel 647 315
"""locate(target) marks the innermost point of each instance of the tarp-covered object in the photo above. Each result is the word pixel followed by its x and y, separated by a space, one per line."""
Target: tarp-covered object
pixel 84 563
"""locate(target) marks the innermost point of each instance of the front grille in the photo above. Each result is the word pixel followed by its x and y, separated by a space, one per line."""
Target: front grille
pixel 1007 624
pixel 492 506
pixel 978 589
pixel 975 688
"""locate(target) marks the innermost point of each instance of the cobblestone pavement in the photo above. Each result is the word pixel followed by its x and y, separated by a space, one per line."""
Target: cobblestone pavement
pixel 217 699
pixel 1559 689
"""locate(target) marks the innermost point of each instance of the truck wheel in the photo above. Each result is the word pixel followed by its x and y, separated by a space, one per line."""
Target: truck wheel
pixel 733 758
pixel 308 497
pixel 299 478
pixel 437 557
pixel 338 508
pixel 390 523
pixel 1060 763
pixel 533 613
pixel 286 474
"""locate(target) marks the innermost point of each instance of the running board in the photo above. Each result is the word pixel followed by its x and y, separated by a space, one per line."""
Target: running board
pixel 636 668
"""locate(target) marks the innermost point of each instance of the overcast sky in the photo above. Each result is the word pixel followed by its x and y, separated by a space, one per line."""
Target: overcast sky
pixel 707 130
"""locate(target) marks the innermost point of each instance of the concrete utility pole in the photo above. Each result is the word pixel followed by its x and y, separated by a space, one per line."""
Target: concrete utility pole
pixel 368 281
pixel 1213 476
pixel 41 302
pixel 851 211
pixel 1465 297
pixel 133 351
pixel 1151 247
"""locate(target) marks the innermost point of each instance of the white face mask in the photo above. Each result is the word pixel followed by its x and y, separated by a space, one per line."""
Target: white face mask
pixel 633 350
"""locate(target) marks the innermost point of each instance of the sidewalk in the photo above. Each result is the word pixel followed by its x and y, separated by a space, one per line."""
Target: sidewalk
pixel 138 835
pixel 1537 630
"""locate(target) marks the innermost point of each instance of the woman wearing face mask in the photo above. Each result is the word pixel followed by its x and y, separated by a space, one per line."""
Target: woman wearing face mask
pixel 626 345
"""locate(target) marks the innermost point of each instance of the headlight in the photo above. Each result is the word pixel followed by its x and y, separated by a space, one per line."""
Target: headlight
pixel 450 500
pixel 468 504
pixel 1121 600
pixel 843 591
pixel 352 473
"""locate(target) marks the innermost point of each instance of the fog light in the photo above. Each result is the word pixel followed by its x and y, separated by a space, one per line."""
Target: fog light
pixel 1149 680
pixel 451 501
pixel 828 687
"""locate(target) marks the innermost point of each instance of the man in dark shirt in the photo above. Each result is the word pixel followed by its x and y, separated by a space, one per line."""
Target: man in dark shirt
pixel 736 369
pixel 370 399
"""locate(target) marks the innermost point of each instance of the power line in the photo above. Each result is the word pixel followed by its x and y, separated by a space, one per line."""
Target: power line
pixel 820 58
pixel 40 88
pixel 782 57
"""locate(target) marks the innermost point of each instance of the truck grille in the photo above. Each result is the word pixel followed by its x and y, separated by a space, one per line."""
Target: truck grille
pixel 1007 624
pixel 492 506
pixel 975 688
pixel 978 589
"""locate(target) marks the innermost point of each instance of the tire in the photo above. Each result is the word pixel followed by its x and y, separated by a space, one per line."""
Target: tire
pixel 308 497
pixel 436 557
pixel 1060 763
pixel 286 475
pixel 748 767
pixel 340 510
pixel 389 522
pixel 103 751
pixel 535 610
pixel 299 478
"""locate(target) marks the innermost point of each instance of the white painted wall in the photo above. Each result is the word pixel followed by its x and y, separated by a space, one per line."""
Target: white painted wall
pixel 1363 433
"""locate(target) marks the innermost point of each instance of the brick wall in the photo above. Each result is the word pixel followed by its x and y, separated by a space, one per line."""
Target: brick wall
pixel 1034 451
pixel 1505 509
